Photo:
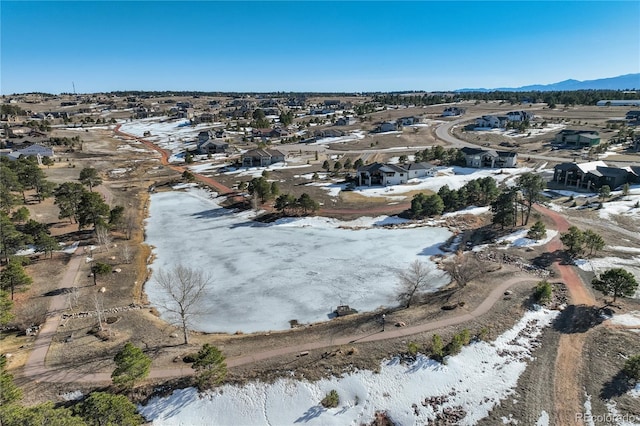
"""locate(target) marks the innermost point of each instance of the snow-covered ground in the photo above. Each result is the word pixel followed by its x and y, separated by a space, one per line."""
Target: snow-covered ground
pixel 601 264
pixel 454 177
pixel 166 133
pixel 519 239
pixel 631 319
pixel 474 381
pixel 625 206
pixel 264 275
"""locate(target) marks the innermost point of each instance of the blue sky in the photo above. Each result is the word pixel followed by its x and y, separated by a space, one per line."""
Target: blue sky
pixel 313 45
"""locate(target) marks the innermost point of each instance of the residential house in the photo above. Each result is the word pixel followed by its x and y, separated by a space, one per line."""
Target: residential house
pixel 489 158
pixel 633 116
pixel 519 116
pixel 328 133
pixel 579 138
pixel 205 117
pixel 205 135
pixel 418 170
pixel 453 111
pixel 213 146
pixel 492 121
pixel 262 157
pixel 35 150
pixel 210 142
pixel 270 133
pixel 345 121
pixel 382 174
pixel 593 175
pixel 387 126
pixel 408 121
pixel 321 111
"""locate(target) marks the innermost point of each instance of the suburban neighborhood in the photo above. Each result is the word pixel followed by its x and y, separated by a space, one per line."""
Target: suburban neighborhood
pixel 319 213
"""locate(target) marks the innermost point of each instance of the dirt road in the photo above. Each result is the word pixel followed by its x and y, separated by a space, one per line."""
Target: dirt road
pixel 37 370
pixel 567 386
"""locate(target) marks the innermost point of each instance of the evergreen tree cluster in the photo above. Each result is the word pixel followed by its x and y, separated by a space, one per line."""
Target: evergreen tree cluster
pixel 446 157
pixel 478 192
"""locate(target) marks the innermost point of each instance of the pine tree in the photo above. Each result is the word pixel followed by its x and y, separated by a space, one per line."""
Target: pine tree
pixel 131 365
pixel 210 366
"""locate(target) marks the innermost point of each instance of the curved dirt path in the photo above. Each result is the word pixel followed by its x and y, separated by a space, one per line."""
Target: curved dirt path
pixel 35 365
pixel 568 392
pixel 38 370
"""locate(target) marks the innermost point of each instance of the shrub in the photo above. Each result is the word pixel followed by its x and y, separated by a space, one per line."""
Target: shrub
pixel 465 337
pixel 483 334
pixel 412 348
pixel 632 367
pixel 454 347
pixel 437 347
pixel 331 400
pixel 543 292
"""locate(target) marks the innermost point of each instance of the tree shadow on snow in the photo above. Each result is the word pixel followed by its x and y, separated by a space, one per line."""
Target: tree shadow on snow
pixel 310 414
pixel 212 213
pixel 618 385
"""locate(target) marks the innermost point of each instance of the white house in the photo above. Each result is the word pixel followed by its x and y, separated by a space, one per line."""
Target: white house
pixel 491 121
pixel 453 111
pixel 519 116
pixel 418 170
pixel 382 174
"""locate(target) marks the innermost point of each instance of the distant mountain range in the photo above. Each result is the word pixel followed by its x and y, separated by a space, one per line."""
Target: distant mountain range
pixel 621 82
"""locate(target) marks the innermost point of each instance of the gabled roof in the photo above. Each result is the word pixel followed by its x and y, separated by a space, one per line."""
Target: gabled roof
pixel 592 165
pixel 611 171
pixel 384 168
pixel 263 153
pixel 583 167
pixel 507 154
pixel 214 143
pixel 419 166
pixel 475 151
pixel 392 168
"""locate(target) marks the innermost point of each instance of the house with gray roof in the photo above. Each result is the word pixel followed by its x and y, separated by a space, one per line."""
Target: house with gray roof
pixel 261 157
pixel 489 158
pixel 418 170
pixel 593 175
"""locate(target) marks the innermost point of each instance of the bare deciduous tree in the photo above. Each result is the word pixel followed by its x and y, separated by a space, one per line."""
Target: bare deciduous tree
pixel 415 279
pixel 182 300
pixel 126 254
pixel 103 236
pixel 73 295
pixel 463 269
pixel 130 223
pixel 98 303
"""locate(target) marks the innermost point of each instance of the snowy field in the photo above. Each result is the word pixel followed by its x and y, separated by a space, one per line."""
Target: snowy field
pixel 600 264
pixel 473 381
pixel 626 205
pixel 264 275
pixel 454 177
pixel 167 134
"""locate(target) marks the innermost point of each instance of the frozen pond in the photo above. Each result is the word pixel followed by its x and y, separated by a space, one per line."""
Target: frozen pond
pixel 265 275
